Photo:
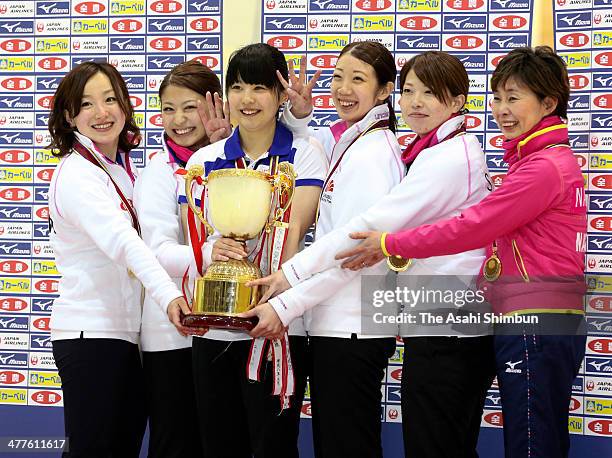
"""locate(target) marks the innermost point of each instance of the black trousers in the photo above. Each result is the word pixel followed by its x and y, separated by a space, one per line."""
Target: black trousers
pixel 173 420
pixel 104 409
pixel 444 386
pixel 345 390
pixel 240 418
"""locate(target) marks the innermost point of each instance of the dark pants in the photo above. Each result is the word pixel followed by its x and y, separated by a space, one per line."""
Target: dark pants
pixel 104 409
pixel 345 390
pixel 173 420
pixel 240 418
pixel 444 386
pixel 535 375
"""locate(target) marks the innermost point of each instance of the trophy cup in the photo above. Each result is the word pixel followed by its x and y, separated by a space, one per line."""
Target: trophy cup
pixel 241 203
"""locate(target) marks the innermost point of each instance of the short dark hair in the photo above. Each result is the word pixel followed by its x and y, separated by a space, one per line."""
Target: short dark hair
pixel 539 69
pixel 441 72
pixel 257 64
pixel 379 57
pixel 192 75
pixel 68 97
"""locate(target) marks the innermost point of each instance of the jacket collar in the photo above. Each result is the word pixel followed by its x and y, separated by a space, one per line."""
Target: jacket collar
pixel 281 143
pixel 340 130
pixel 90 145
pixel 549 131
pixel 453 125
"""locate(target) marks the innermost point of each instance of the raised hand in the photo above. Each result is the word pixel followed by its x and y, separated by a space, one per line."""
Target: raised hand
pixel 298 90
pixel 215 117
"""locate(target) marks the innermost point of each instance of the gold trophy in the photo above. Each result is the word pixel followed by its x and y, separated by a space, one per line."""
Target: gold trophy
pixel 241 204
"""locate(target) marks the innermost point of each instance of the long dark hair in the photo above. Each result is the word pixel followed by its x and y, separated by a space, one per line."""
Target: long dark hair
pixel 257 64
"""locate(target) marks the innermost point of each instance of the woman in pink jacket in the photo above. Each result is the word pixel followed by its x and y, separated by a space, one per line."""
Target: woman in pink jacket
pixel 534 229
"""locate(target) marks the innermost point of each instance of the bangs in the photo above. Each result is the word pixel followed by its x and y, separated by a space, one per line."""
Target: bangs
pixel 256 65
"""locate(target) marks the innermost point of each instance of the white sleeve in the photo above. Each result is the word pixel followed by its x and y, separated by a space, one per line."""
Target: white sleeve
pixel 86 202
pixel 429 190
pixel 310 164
pixel 155 199
pixel 299 128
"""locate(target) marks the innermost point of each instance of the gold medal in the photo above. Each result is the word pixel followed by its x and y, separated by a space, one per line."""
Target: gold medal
pixel 398 264
pixel 492 267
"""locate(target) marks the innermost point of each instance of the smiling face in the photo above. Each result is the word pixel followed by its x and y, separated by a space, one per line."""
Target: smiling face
pixel 180 117
pixel 254 106
pixel 355 89
pixel 100 118
pixel 421 109
pixel 517 109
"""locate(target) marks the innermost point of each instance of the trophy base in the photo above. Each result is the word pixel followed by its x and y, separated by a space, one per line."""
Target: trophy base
pixel 227 322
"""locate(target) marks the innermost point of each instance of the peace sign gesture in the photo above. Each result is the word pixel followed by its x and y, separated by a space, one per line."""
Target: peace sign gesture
pixel 299 92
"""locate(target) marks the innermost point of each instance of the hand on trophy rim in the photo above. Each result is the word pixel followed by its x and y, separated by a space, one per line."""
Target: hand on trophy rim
pixel 269 325
pixel 366 254
pixel 298 91
pixel 225 249
pixel 176 309
pixel 276 284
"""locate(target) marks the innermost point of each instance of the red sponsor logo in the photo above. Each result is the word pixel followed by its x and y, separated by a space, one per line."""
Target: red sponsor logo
pixel 45 174
pixel 46 102
pixel 307 409
pixel 135 101
pixel 602 181
pixel 603 101
pixel 46 397
pixel 14 156
pixel 89 8
pixel 270 4
pixel 401 61
pixel 601 303
pixel 581 159
pixel 324 61
pixel 323 102
pixel 497 141
pixel 405 140
pixel 76 45
pixel 496 60
pixel 396 374
pixel 601 345
pixel 418 23
pixel 156 120
pixel 16 84
pixel 209 61
pixel 590 385
pixel 53 63
pixel 43 212
pixel 494 418
pixel 14 194
pixel 15 45
pixel 594 141
pixel 12 266
pixel 393 414
pixel 464 42
pixel 472 122
pixel 596 19
pixel 574 404
pixel 603 427
pixel 369 5
pixel 602 223
pixel 592 263
pixel 498 179
pixel 11 377
pixel 286 42
pixel 127 25
pixel 604 58
pixel 509 22
pixel 577 81
pixel 204 24
pixel 165 44
pixel 40 26
pixel 42 324
pixel 3 9
pixel 12 304
pixel 463 5
pixel 574 40
pixel 166 6
pixel 47 286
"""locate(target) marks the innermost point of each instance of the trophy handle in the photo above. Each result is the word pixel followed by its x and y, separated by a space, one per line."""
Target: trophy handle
pixel 284 182
pixel 194 172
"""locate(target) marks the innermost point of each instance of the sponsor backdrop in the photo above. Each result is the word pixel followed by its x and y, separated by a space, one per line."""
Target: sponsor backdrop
pixel 41 40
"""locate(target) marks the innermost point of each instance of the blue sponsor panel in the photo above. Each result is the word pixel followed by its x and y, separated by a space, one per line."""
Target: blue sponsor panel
pixel 464 22
pixel 127 44
pixel 203 6
pixel 579 141
pixel 508 41
pixel 600 202
pixel 579 102
pixel 394 394
pixel 47 83
pixel 572 20
pixel 323 119
pixel 154 138
pixel 284 23
pixel 491 123
pixel 16 102
pixel 15 248
pixel 42 304
pixel 472 62
pixel 41 194
pixel 417 43
pixel 13 359
pixel 599 243
pixel 16 26
pixel 599 325
pixel 40 342
pixel 332 6
pixel 203 44
pixel 505 5
pixel 52 8
pixel 496 162
pixel 601 80
pixel 77 60
pixel 578 385
pixel 15 213
pixel 16 138
pixel 601 120
pixel 135 82
pixel 164 61
pixel 599 366
pixel 14 323
pixel 165 25
pixel 40 231
pixel 493 400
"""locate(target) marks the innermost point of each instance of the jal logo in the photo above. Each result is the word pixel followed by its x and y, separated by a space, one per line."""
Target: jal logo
pixel 496 60
pixel 464 5
pixel 324 61
pixel 401 61
pixel 76 45
pixel 574 40
pixel 40 27
pixel 127 26
pixel 89 8
pixel 46 102
pixel 393 414
pixel 590 385
pixel 286 42
pixel 156 120
pixel 166 7
pixel 601 346
pixel 2 120
pixel 12 266
pixel 15 45
pixel 13 304
pixel 604 58
pixel 494 418
pixel 561 2
pixel 603 101
pixel 324 102
pixel 594 141
pixel 16 84
pixel 270 4
pixel 135 101
pixel 42 324
pixel 578 81
pixel 497 141
pixel 418 23
pixel 472 122
pixel 369 5
pixel 43 212
pixel 397 374
pixel 165 44
pixel 464 42
pixel 53 63
pixel 601 303
pixel 3 9
pixel 45 174
pixel 47 286
pixel 592 263
pixel 603 427
pixel 46 397
pixel 11 377
pixel 307 409
pixel 14 194
pixel 204 25
pixel 405 140
pixel 509 22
